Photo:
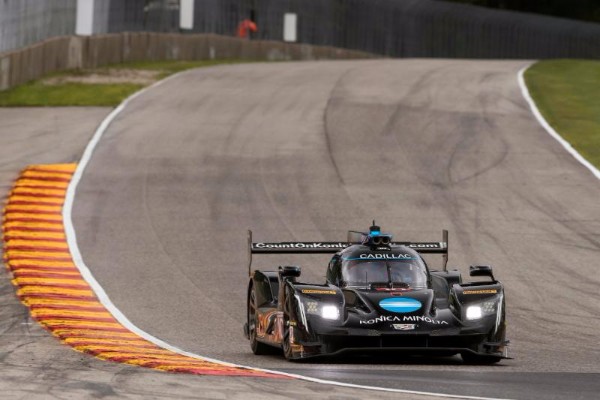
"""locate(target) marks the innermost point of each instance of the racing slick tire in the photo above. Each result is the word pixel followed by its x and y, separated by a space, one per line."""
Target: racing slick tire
pixel 286 344
pixel 257 347
pixel 477 359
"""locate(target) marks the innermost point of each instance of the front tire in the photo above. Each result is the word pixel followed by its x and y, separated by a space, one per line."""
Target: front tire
pixel 286 343
pixel 257 347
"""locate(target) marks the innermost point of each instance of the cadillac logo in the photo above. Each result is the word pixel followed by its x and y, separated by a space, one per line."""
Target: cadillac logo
pixel 404 327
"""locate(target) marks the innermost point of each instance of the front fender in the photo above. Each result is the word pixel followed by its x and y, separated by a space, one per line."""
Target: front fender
pixel 304 308
pixel 266 286
pixel 489 297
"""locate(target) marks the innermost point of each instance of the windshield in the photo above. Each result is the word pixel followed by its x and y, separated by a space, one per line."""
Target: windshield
pixel 364 273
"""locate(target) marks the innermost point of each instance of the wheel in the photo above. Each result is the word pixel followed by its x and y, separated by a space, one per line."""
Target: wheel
pixel 286 343
pixel 257 347
pixel 477 359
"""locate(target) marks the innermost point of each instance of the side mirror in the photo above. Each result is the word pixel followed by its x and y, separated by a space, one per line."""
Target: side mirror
pixel 289 271
pixel 481 270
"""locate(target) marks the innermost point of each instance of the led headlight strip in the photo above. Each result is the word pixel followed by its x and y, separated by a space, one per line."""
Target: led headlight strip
pixel 481 309
pixel 327 311
pixel 49 283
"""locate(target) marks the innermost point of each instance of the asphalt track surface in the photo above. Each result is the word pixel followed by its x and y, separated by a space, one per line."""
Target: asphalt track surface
pixel 36 366
pixel 306 151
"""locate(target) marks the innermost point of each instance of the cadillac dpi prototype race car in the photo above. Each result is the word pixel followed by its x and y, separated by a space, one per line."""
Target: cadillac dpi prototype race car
pixel 378 295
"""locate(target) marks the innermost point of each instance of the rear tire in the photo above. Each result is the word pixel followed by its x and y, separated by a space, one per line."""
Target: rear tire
pixel 257 347
pixel 477 359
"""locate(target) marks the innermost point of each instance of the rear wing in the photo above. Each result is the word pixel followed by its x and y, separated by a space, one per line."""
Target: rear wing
pixel 334 247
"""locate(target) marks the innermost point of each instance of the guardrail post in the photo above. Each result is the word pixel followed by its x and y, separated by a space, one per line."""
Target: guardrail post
pixel 4 73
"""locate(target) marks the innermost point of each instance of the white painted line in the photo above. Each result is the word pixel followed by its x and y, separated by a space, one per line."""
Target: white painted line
pixel 538 115
pixel 123 320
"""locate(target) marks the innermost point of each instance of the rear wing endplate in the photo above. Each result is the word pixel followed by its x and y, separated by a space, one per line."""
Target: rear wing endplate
pixel 334 247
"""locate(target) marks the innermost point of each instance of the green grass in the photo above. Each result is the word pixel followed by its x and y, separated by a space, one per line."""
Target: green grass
pixel 38 93
pixel 567 93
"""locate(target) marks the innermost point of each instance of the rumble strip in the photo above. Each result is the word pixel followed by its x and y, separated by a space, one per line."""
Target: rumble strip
pixel 49 283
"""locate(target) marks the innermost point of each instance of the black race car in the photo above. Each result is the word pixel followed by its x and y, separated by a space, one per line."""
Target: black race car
pixel 378 295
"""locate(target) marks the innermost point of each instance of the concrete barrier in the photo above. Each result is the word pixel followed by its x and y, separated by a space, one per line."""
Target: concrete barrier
pixel 75 52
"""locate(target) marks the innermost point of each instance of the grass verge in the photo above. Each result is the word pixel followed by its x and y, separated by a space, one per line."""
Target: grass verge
pixel 35 94
pixel 105 86
pixel 567 93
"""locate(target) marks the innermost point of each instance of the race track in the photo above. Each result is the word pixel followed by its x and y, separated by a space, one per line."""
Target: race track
pixel 306 151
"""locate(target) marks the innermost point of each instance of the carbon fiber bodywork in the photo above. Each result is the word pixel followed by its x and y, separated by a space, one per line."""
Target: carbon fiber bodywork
pixel 443 318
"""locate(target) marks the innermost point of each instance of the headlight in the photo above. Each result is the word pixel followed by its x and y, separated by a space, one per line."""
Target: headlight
pixel 474 312
pixel 325 311
pixel 482 309
pixel 330 312
pixel 312 307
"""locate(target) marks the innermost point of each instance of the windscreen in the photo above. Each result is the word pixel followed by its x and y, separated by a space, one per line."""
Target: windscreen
pixel 364 273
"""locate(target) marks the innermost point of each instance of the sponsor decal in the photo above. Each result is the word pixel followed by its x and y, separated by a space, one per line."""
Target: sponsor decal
pixel 400 306
pixel 318 291
pixel 371 256
pixel 337 245
pixel 404 318
pixel 400 256
pixel 404 327
pixel 426 245
pixel 419 318
pixel 310 245
pixel 481 291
